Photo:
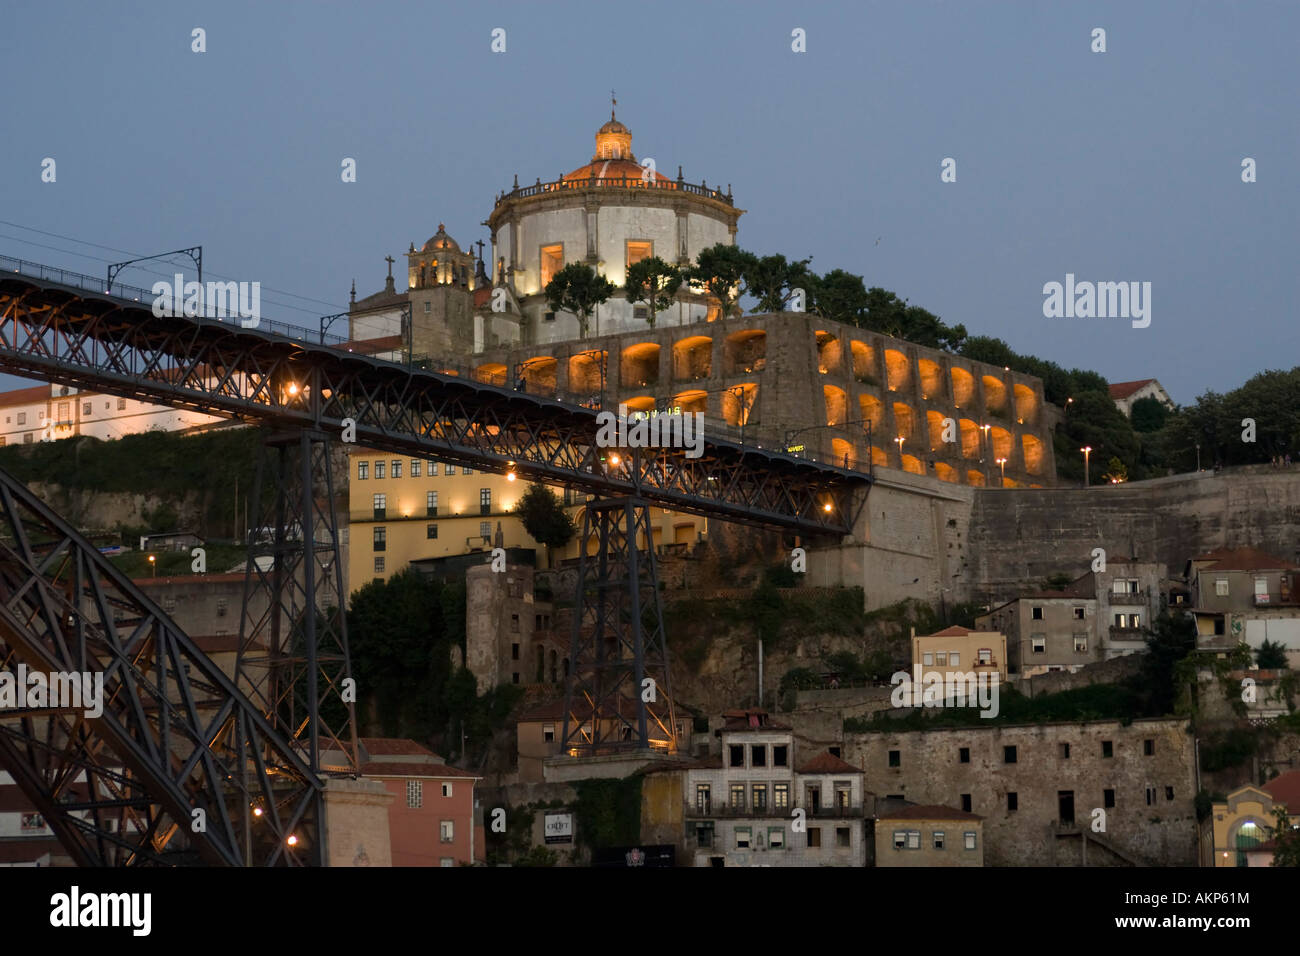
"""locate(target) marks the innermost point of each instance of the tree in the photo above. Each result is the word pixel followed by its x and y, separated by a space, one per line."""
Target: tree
pixel 653 282
pixel 720 269
pixel 1093 420
pixel 1171 639
pixel 579 289
pixel 1116 472
pixel 840 296
pixel 544 518
pixel 772 281
pixel 1148 414
pixel 1286 840
pixel 401 643
pixel 1271 655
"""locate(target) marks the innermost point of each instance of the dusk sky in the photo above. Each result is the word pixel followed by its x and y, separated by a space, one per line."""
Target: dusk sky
pixel 1116 166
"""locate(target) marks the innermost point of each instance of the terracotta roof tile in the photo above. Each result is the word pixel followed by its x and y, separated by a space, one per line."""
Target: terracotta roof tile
pixel 436 770
pixel 827 762
pixel 394 747
pixel 1244 559
pixel 1125 389
pixel 1285 789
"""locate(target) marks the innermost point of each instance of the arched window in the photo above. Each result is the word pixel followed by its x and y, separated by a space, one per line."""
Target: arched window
pixel 566 667
pixel 1248 836
pixel 553 659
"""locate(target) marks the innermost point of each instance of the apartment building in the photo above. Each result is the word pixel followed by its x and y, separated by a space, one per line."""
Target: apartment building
pixel 929 836
pixel 959 650
pixel 1052 630
pixel 1244 594
pixel 763 803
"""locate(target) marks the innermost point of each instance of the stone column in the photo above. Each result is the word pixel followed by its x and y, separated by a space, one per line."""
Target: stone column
pixel 356 823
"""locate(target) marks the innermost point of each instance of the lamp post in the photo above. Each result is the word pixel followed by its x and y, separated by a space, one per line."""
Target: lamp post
pixel 1087 450
pixel 153 565
pixel 1003 463
pixel 900 439
pixel 1198 456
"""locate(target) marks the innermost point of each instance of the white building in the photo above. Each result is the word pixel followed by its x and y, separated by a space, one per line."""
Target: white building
pixel 50 412
pixel 761 804
pixel 610 212
pixel 1124 394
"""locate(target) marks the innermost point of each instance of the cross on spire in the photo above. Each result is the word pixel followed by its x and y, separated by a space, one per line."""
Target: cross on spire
pixel 390 260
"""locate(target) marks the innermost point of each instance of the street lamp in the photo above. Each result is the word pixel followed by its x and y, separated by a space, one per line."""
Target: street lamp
pixel 900 439
pixel 984 454
pixel 153 565
pixel 1003 463
pixel 1087 450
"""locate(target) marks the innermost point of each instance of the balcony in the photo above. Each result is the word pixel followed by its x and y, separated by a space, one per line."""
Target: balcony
pixel 1129 597
pixel 1127 633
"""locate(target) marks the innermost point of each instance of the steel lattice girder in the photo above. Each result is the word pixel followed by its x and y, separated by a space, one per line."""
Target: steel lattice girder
pixel 175 734
pixel 66 335
pixel 293 654
pixel 613 648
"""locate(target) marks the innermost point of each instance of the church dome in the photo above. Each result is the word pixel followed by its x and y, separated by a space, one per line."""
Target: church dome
pixel 614 126
pixel 440 242
pixel 612 169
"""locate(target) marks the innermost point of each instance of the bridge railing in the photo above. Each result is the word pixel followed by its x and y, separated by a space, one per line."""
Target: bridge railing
pixel 134 294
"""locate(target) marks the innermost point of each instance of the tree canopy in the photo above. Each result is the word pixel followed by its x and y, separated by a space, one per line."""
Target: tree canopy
pixel 579 289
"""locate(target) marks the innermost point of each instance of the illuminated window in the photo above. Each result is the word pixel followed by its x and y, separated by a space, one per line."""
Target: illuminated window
pixel 636 251
pixel 552 262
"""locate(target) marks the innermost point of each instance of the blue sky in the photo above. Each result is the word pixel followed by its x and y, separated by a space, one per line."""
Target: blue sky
pixel 1123 165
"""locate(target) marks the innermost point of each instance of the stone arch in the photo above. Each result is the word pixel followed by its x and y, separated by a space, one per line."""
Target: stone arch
pixel 995 395
pixel 828 353
pixel 692 358
pixel 934 429
pixel 1000 440
pixel 745 352
pixel 864 362
pixel 945 472
pixel 739 403
pixel 1026 405
pixel 1033 449
pixel 539 373
pixel 872 410
pixel 974 478
pixel 898 369
pixel 491 373
pixel 963 386
pixel 931 379
pixel 904 420
pixel 639 366
pixel 587 371
pixel 691 400
pixel 835 404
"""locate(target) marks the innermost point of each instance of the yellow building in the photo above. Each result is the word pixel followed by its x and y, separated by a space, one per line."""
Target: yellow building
pixel 929 836
pixel 1240 829
pixel 401 509
pixel 959 650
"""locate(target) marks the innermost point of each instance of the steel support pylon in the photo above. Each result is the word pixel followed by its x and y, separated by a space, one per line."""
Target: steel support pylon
pixel 618 695
pixel 293 647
